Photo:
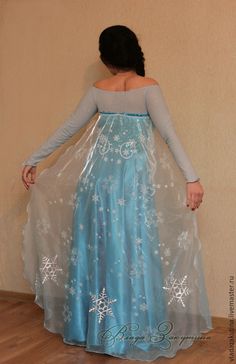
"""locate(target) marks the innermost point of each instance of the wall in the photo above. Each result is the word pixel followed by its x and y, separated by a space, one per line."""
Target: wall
pixel 49 56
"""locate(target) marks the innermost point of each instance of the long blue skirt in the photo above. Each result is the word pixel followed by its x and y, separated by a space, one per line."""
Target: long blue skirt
pixel 115 253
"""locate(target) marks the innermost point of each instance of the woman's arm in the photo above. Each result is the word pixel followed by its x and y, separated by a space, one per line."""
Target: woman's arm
pixel 83 112
pixel 161 118
pixel 160 115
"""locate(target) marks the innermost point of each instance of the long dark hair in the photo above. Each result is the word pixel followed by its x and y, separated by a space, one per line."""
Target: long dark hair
pixel 119 47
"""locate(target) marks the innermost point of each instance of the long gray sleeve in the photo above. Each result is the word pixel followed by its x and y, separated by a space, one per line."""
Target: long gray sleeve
pixel 160 115
pixel 83 112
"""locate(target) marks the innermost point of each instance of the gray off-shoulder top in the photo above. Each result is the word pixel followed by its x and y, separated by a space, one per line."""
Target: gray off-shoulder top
pixel 147 99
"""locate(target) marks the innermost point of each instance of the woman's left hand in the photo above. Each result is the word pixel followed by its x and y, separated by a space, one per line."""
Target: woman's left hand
pixel 194 192
pixel 28 175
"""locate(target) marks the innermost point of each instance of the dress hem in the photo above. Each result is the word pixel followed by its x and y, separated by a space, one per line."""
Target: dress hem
pixel 208 329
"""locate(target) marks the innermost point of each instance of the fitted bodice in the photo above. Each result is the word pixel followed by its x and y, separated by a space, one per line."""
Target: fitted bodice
pixel 128 101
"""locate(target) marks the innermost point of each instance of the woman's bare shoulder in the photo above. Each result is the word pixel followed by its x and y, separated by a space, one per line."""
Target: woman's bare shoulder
pixel 102 83
pixel 135 81
pixel 146 81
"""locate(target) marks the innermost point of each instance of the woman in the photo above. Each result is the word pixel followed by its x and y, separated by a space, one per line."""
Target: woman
pixel 110 248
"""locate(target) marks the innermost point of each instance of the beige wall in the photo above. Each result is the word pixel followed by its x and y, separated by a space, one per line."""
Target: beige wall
pixel 49 57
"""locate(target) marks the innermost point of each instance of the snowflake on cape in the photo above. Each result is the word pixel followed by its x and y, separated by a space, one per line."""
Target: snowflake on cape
pixel 43 225
pixel 102 305
pixel 49 269
pixel 164 161
pixel 184 240
pixel 177 288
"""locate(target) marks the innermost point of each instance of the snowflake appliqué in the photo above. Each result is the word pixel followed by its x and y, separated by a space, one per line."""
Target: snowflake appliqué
pixel 103 144
pixel 164 161
pixel 109 183
pixel 121 202
pixel 177 289
pixel 143 306
pixel 67 314
pixel 43 226
pixel 183 240
pixel 102 305
pixel 72 200
pixel 167 252
pixel 127 149
pixel 74 256
pixel 66 236
pixel 49 269
pixel 151 218
pixel 95 197
pixel 138 269
pixel 147 191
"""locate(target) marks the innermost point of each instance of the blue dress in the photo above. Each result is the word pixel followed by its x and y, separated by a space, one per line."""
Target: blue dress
pixel 110 248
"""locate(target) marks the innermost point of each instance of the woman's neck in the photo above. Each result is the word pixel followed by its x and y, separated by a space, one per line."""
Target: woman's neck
pixel 125 73
pixel 121 73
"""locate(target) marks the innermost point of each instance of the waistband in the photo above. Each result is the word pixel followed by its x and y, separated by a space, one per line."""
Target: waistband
pixel 122 113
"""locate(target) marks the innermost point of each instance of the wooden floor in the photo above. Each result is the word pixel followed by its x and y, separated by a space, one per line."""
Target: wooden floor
pixel 24 340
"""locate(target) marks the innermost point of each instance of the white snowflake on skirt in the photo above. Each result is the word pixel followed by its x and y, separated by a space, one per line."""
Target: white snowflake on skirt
pixel 102 305
pixel 67 313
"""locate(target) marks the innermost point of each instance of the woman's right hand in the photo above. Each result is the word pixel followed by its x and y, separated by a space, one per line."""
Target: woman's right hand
pixel 28 175
pixel 195 192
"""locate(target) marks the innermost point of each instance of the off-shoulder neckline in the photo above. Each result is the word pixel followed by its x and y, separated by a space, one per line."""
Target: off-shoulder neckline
pixel 125 91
